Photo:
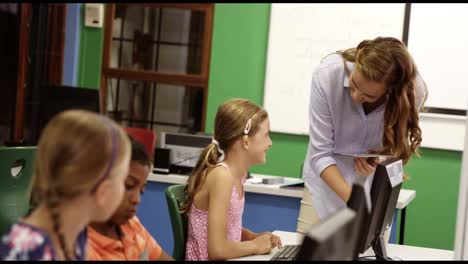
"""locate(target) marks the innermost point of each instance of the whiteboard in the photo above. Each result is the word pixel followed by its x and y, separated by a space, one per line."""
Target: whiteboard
pixel 300 36
pixel 438 42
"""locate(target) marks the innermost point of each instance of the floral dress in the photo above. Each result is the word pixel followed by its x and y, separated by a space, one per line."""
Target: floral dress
pixel 26 242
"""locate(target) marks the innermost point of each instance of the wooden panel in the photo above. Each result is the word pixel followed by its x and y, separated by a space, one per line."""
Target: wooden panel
pixel 109 21
pixel 200 7
pixel 206 58
pixel 207 42
pixel 56 44
pixel 151 76
pixel 22 71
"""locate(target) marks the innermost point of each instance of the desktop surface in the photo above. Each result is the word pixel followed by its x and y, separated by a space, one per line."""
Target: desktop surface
pixel 394 251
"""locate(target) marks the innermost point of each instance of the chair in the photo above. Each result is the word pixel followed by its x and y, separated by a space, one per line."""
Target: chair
pixel 145 136
pixel 175 196
pixel 16 170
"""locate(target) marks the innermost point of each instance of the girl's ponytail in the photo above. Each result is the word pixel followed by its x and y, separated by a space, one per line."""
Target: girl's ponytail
pixel 208 159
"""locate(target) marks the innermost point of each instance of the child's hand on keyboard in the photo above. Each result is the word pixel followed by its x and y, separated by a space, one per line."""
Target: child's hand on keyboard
pixel 263 244
pixel 276 241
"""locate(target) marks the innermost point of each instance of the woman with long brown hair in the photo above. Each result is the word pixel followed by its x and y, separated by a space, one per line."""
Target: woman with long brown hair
pixel 364 99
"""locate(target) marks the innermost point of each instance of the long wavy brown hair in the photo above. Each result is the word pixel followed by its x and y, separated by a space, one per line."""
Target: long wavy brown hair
pixel 230 122
pixel 387 60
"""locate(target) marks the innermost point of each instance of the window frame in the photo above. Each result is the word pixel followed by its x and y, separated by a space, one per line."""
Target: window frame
pixel 187 80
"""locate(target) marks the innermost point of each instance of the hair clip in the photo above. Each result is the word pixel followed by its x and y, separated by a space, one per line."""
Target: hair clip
pixel 221 158
pixel 247 126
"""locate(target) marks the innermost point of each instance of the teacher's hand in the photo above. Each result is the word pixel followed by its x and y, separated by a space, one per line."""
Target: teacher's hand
pixel 363 168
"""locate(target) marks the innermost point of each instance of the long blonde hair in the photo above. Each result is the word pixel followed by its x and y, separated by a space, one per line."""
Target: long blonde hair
pixel 76 151
pixel 230 121
pixel 387 60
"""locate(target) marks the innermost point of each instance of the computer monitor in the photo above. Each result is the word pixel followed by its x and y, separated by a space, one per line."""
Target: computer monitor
pixel 333 239
pixel 360 203
pixel 386 185
pixel 58 98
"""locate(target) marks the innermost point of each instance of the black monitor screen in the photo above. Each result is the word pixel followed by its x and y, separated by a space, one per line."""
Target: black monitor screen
pixel 360 203
pixel 56 99
pixel 334 239
pixel 384 193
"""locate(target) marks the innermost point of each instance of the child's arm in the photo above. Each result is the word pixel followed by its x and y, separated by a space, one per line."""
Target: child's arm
pixel 220 184
pixel 248 235
pixel 155 251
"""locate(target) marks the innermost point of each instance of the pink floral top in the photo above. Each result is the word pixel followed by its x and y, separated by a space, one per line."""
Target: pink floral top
pixel 197 238
pixel 27 242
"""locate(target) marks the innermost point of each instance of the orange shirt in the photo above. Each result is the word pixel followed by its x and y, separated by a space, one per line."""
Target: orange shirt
pixel 136 244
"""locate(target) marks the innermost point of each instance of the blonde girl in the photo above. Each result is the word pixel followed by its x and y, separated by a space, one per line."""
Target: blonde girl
pixel 215 192
pixel 81 164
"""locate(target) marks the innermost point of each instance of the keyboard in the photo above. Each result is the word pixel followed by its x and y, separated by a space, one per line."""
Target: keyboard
pixel 287 252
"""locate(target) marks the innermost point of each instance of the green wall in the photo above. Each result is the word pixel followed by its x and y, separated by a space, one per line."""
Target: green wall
pixel 431 218
pixel 237 69
pixel 91 41
pixel 237 55
pixel 238 59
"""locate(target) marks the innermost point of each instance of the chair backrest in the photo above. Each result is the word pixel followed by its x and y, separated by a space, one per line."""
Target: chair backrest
pixel 175 196
pixel 16 170
pixel 145 136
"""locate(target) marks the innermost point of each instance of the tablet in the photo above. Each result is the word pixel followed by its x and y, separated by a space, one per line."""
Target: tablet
pixel 371 156
pixel 366 155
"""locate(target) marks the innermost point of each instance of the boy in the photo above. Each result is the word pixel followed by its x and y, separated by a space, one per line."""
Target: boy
pixel 123 237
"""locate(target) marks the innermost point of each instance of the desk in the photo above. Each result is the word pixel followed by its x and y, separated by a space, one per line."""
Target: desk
pixel 272 189
pixel 404 198
pixel 262 198
pixel 394 251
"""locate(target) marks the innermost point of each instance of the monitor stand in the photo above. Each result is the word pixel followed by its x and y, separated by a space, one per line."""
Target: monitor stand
pixel 378 246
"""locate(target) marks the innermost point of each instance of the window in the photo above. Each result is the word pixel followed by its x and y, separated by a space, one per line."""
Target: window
pixel 156 64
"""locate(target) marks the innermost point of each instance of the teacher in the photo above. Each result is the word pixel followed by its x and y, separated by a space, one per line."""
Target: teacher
pixel 363 99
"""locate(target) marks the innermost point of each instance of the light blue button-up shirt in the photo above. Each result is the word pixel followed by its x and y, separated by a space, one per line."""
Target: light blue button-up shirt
pixel 338 125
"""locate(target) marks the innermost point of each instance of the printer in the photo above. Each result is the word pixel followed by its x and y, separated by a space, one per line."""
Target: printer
pixel 179 152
